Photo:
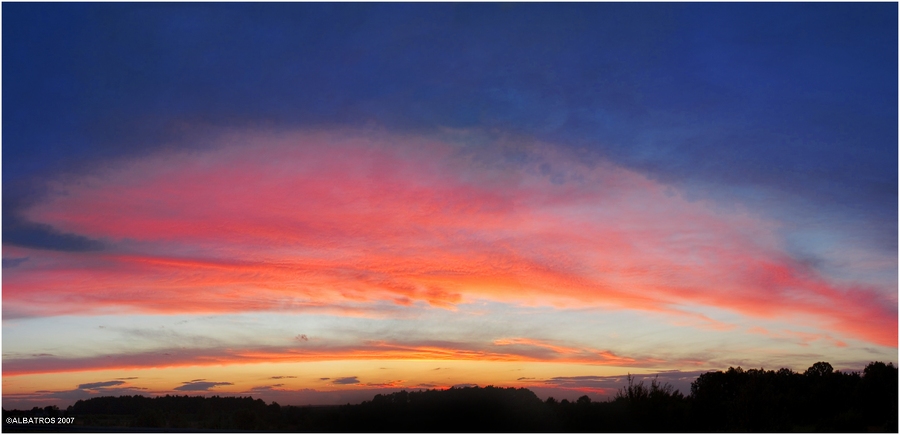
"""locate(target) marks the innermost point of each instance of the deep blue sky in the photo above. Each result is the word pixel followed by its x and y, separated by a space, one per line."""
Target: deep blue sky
pixel 799 99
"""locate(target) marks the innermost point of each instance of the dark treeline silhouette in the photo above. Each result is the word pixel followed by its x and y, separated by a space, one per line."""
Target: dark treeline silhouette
pixel 820 400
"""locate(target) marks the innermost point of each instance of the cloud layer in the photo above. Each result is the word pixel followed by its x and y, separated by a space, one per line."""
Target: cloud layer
pixel 290 221
pixel 372 350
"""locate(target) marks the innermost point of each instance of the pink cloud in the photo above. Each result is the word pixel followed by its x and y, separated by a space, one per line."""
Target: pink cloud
pixel 315 220
pixel 803 338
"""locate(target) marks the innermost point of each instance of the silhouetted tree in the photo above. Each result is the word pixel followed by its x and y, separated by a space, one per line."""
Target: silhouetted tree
pixel 819 369
pixel 879 396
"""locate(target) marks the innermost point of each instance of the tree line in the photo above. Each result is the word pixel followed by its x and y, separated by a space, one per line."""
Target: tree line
pixel 736 400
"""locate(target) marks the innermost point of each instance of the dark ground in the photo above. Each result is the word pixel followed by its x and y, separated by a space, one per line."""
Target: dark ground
pixel 818 400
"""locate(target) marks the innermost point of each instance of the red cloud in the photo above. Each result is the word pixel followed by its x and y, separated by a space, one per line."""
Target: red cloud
pixel 319 220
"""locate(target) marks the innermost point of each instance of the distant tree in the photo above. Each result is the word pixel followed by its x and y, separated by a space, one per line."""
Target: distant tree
pixel 784 373
pixel 656 408
pixel 879 396
pixel 52 411
pixel 633 391
pixel 819 369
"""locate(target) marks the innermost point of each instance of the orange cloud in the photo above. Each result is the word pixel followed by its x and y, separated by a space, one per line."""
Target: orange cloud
pixel 538 343
pixel 373 350
pixel 308 221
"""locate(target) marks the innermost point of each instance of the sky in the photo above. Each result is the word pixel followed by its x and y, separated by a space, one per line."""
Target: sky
pixel 315 203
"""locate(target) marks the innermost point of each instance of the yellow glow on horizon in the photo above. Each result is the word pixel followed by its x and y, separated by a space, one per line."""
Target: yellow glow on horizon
pixel 413 374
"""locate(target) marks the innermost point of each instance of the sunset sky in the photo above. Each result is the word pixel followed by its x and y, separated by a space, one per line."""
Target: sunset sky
pixel 314 203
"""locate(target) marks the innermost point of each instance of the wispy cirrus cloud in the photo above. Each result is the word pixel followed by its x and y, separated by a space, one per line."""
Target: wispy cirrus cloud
pixel 543 350
pixel 535 343
pixel 318 220
pixel 372 350
pixel 802 338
